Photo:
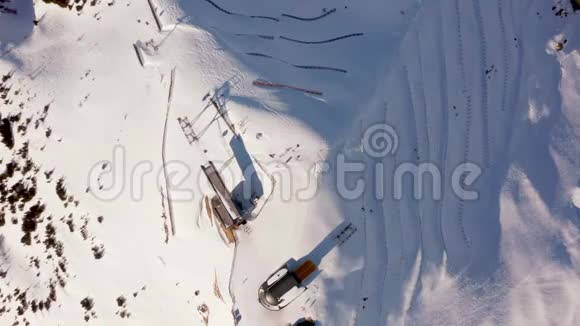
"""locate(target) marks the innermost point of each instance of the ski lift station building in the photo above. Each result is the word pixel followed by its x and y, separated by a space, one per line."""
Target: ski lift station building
pixel 223 204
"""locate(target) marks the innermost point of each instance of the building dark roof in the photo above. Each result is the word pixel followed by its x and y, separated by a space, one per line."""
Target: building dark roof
pixel 222 203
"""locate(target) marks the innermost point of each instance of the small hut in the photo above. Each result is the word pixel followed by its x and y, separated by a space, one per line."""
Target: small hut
pixel 223 204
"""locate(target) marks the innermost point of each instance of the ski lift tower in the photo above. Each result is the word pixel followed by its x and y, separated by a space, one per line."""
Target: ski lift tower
pixel 222 111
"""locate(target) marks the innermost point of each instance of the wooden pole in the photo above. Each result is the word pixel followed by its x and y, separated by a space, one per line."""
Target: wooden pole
pixel 163 150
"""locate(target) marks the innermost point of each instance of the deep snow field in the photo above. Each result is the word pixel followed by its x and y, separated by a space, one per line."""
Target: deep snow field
pixel 103 204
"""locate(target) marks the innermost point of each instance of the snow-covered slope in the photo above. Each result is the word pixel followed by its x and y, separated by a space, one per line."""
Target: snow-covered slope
pixel 104 214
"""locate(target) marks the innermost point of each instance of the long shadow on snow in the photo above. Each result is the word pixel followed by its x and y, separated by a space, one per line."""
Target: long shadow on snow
pixel 325 246
pixel 335 288
pixel 252 186
pixel 317 254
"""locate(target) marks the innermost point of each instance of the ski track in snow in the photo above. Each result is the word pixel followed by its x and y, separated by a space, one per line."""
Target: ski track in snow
pixel 483 80
pixel 444 123
pixel 468 108
pixel 231 276
pixel 395 242
pixel 394 264
pixel 422 126
pixel 409 259
pixel 514 95
pixel 399 275
pixel 429 228
pixel 375 267
pixel 506 55
pixel 383 270
pixel 422 155
pixel 382 229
